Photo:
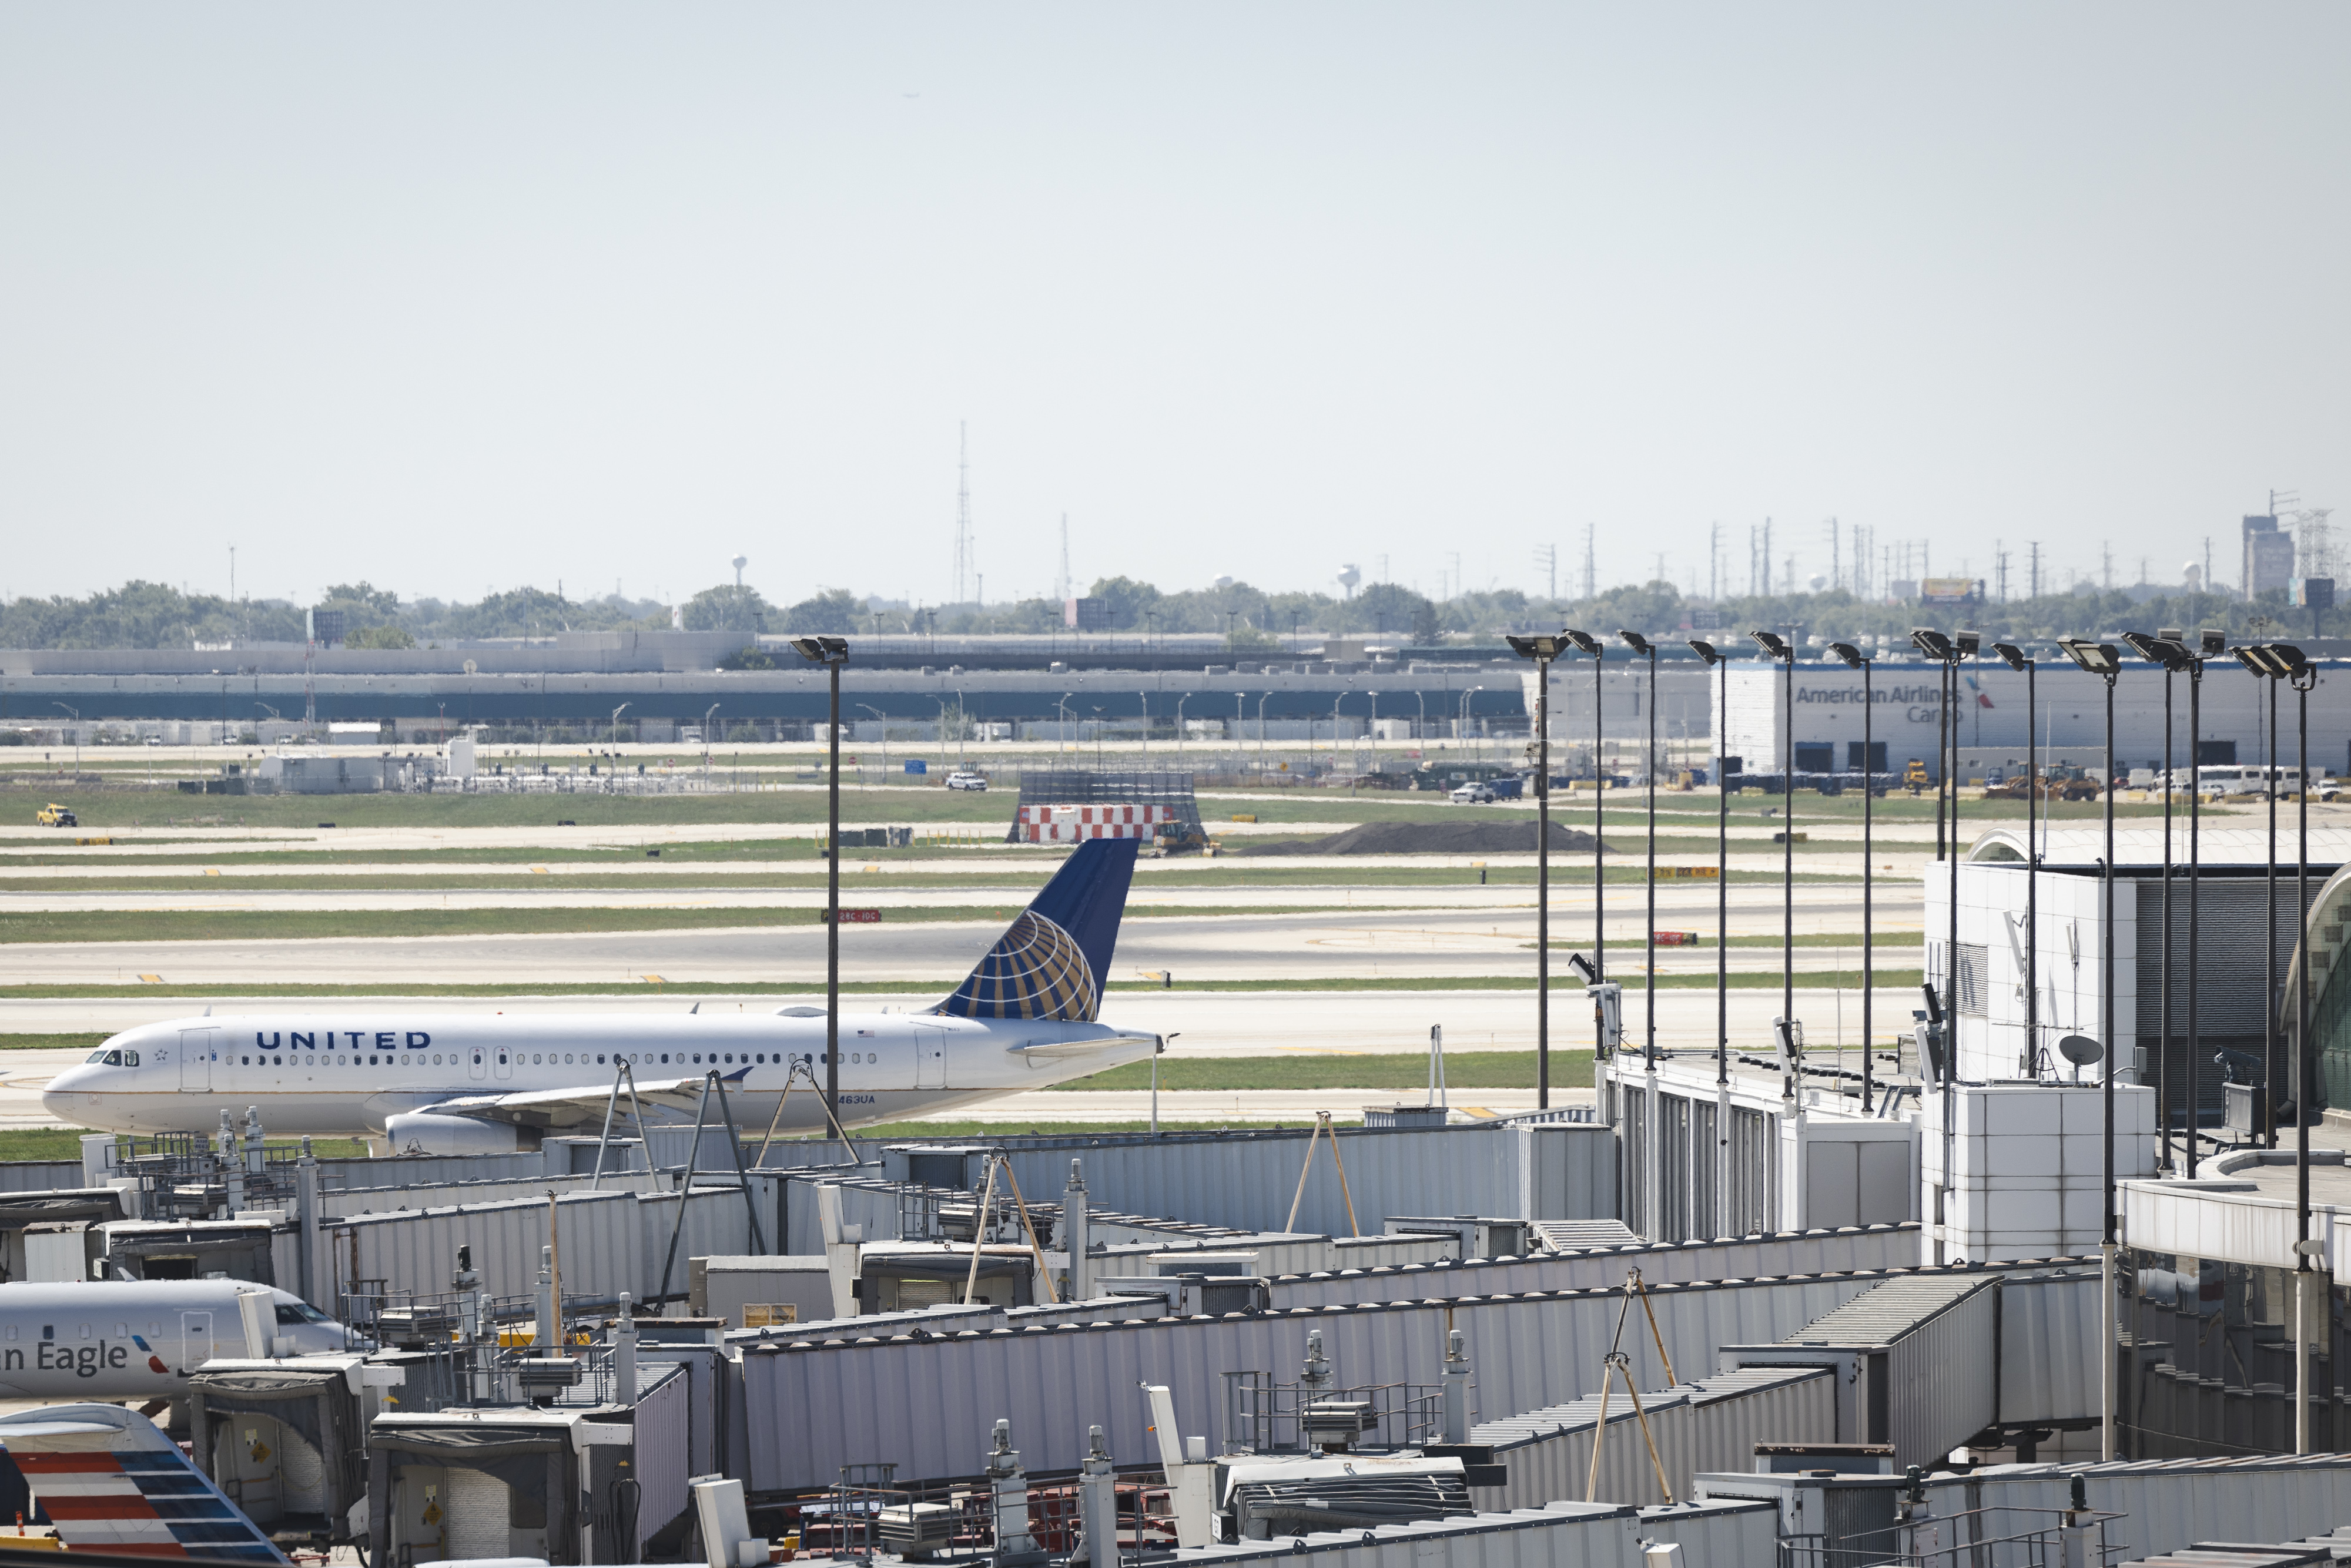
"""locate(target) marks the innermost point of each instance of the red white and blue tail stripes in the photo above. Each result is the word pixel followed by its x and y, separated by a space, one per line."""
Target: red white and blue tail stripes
pixel 111 1482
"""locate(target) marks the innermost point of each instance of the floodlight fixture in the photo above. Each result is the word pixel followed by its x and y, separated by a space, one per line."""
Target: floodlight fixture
pixel 2255 657
pixel 1707 651
pixel 1536 647
pixel 2012 655
pixel 1635 641
pixel 2158 649
pixel 2292 658
pixel 2212 640
pixel 1774 646
pixel 1853 656
pixel 1931 642
pixel 1967 641
pixel 1584 641
pixel 2096 658
pixel 822 650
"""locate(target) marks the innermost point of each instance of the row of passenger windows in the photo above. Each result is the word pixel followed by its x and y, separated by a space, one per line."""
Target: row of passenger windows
pixel 536 1059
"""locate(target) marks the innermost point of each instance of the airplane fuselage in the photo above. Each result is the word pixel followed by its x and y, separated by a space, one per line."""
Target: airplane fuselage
pixel 135 1339
pixel 336 1073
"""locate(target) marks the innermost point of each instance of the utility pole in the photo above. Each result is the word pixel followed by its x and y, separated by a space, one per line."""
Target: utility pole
pixel 963 564
pixel 1547 562
pixel 1714 563
pixel 2107 567
pixel 2034 548
pixel 1063 590
pixel 1836 570
pixel 1591 568
pixel 1767 556
pixel 2000 570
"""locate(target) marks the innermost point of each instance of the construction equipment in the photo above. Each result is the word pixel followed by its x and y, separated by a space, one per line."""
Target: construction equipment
pixel 1175 839
pixel 55 816
pixel 1914 776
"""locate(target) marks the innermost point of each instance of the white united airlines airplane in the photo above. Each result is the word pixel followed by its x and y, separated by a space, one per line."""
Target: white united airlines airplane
pixel 1025 1018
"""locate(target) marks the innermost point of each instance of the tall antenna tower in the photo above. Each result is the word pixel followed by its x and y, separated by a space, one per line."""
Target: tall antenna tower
pixel 2035 558
pixel 1836 557
pixel 1061 587
pixel 1591 566
pixel 964 566
pixel 1547 562
pixel 1714 563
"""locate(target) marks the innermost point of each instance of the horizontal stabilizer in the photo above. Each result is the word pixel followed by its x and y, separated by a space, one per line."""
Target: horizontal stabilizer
pixel 112 1482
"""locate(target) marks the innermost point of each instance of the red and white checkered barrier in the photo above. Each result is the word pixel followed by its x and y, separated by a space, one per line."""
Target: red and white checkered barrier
pixel 1073 824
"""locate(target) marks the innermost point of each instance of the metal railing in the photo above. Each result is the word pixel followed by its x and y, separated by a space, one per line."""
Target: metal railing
pixel 866 1514
pixel 1262 1417
pixel 1998 1537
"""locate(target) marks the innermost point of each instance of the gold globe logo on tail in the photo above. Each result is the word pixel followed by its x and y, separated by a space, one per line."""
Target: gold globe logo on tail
pixel 1034 971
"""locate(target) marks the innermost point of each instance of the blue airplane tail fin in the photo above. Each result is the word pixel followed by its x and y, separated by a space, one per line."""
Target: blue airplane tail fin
pixel 1052 961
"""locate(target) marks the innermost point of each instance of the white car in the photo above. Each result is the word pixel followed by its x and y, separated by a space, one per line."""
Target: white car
pixel 962 778
pixel 1473 793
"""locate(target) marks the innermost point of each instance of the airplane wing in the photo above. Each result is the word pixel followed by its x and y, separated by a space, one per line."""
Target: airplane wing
pixel 112 1482
pixel 561 1110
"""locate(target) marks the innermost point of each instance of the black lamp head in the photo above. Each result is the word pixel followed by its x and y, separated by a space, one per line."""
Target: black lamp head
pixel 2212 640
pixel 2096 658
pixel 1536 647
pixel 1967 641
pixel 2012 655
pixel 1584 641
pixel 1705 650
pixel 2155 650
pixel 1931 642
pixel 822 650
pixel 2255 657
pixel 1849 653
pixel 1635 641
pixel 1774 646
pixel 2290 660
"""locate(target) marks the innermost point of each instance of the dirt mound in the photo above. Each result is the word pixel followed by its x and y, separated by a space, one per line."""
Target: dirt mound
pixel 1487 837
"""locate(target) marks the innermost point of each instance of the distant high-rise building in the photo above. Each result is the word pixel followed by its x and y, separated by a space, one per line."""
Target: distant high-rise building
pixel 2269 555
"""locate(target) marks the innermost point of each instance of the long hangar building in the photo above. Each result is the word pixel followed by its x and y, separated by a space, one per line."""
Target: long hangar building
pixel 673 678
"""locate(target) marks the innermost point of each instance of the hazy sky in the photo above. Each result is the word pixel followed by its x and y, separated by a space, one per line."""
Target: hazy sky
pixel 460 296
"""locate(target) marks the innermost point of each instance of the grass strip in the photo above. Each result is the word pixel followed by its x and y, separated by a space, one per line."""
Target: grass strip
pixel 1463 1069
pixel 65 1144
pixel 73 1040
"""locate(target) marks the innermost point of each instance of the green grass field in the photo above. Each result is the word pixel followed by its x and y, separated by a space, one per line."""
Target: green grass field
pixel 65 1144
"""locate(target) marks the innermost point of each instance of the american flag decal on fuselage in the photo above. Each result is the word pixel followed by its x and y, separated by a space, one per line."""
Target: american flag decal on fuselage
pixel 109 1486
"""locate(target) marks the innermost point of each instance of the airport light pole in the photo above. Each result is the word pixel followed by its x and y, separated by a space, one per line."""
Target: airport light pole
pixel 2166 652
pixel 2304 675
pixel 2014 657
pixel 1775 647
pixel 831 653
pixel 1948 652
pixel 76 718
pixel 616 735
pixel 2210 644
pixel 1543 651
pixel 1720 664
pixel 1587 644
pixel 705 738
pixel 1640 644
pixel 1854 659
pixel 2100 659
pixel 2256 662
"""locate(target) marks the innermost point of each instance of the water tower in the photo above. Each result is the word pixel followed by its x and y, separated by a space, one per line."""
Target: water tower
pixel 1349 576
pixel 740 562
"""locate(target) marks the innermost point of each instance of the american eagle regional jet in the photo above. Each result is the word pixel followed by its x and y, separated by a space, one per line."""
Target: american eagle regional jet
pixel 1028 1017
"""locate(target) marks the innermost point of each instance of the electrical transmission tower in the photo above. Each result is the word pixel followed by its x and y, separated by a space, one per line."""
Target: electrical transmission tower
pixel 1547 562
pixel 1591 568
pixel 1061 586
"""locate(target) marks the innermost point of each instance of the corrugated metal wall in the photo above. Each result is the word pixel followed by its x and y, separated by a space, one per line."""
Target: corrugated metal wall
pixel 813 1408
pixel 1756 1258
pixel 2049 1336
pixel 1718 1535
pixel 1941 1392
pixel 662 1448
pixel 602 1238
pixel 1711 1425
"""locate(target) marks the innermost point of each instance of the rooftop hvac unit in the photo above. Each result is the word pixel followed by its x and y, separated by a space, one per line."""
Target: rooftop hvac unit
pixel 919 1529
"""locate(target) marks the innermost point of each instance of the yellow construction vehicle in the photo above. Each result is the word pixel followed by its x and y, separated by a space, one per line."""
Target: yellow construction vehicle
pixel 1914 776
pixel 55 816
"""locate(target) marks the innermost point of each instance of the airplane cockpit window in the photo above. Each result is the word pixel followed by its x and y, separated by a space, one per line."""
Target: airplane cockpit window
pixel 300 1312
pixel 95 1056
pixel 113 1059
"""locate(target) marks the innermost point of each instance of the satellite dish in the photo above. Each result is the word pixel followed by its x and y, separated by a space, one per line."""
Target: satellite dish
pixel 2080 1050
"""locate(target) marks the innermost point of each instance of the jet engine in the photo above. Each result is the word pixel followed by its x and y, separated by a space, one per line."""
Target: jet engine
pixel 424 1132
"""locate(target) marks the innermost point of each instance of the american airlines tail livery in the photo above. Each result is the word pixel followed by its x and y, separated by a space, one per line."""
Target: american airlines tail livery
pixel 1026 1018
pixel 114 1483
